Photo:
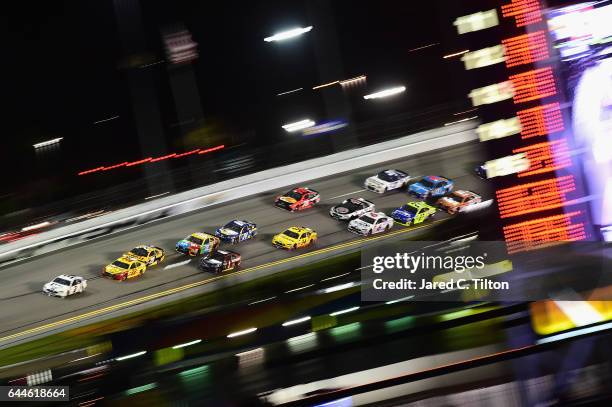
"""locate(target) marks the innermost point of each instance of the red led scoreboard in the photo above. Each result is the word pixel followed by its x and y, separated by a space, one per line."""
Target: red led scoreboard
pixel 515 72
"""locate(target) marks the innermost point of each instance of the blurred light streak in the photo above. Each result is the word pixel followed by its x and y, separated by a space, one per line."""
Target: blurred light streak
pixel 106 120
pixel 325 85
pixel 289 91
pixel 303 342
pixel 152 64
pixel 95 376
pixel 240 333
pixel 580 312
pixel 338 276
pixel 385 93
pixel 424 46
pixel 133 355
pixel 325 127
pixel 465 111
pixel 37 226
pixel 250 352
pixel 354 80
pixel 573 334
pixel 90 402
pixel 299 125
pixel 156 196
pixel 344 311
pixel 285 35
pixel 133 163
pixel 338 287
pixel 296 321
pixel 152 160
pixel 264 300
pixel 84 357
pixel 399 300
pixel 209 150
pixel 48 142
pixel 86 216
pixel 298 289
pixel 184 345
pixel 194 371
pixel 140 389
pixel 461 121
pixel 456 54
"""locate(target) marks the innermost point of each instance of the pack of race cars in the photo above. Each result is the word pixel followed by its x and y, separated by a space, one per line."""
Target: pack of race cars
pixel 435 193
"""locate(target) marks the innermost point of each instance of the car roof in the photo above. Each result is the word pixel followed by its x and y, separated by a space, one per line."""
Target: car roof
pixel 67 276
pixel 128 259
pixel 201 235
pixel 225 252
pixel 299 229
pixel 463 193
pixel 435 178
pixel 418 204
pixel 375 215
pixel 143 246
pixel 238 222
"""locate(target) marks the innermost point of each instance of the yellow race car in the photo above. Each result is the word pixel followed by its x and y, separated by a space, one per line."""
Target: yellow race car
pixel 294 238
pixel 150 255
pixel 124 267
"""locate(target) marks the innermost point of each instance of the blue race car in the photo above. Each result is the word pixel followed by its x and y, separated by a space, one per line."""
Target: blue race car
pixel 431 186
pixel 237 231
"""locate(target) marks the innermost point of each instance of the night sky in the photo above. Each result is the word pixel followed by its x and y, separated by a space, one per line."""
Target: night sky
pixel 66 70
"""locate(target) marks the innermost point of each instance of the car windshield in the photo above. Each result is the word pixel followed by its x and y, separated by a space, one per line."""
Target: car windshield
pixel 388 176
pixel 295 195
pixel 427 183
pixel 139 251
pixel 233 226
pixel 409 209
pixel 352 204
pixel 291 234
pixel 217 256
pixel 61 281
pixel 121 264
pixel 367 219
pixel 194 239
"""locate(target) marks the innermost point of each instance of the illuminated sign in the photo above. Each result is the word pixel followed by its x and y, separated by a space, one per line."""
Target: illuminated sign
pixel 525 49
pixel 484 57
pixel 525 12
pixel 477 21
pixel 507 165
pixel 541 120
pixel 535 196
pixel 545 157
pixel 499 129
pixel 533 85
pixel 538 233
pixel 491 94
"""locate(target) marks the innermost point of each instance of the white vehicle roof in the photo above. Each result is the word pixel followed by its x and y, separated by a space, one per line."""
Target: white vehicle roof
pixel 68 277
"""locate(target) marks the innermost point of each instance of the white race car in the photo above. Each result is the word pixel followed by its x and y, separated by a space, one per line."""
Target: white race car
pixel 387 180
pixel 370 224
pixel 65 285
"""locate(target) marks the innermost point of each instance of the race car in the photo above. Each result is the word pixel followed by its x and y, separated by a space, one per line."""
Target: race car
pixel 220 261
pixel 295 237
pixel 413 213
pixel 150 255
pixel 237 231
pixel 458 200
pixel 351 208
pixel 370 224
pixel 387 180
pixel 298 199
pixel 198 243
pixel 431 186
pixel 124 267
pixel 65 285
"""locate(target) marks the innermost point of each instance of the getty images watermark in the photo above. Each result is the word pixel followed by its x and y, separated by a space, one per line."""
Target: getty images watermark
pixel 473 270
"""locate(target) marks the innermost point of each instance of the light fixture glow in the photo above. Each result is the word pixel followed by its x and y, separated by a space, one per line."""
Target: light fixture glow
pixel 285 35
pixel 386 92
pixel 183 345
pixel 48 142
pixel 299 125
pixel 344 311
pixel 133 355
pixel 37 226
pixel 296 321
pixel 240 333
pixel 338 287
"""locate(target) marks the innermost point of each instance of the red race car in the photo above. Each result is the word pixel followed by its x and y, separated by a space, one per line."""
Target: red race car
pixel 298 199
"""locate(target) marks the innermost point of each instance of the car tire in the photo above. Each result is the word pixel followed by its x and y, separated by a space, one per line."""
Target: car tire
pixel 387 228
pixel 124 278
pixel 294 247
pixel 385 190
pixel 369 233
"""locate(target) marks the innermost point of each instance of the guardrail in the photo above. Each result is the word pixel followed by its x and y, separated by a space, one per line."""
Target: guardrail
pixel 240 187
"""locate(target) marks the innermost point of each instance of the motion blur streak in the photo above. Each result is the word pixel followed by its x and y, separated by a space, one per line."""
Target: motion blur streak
pixel 48 142
pixel 385 93
pixel 285 35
